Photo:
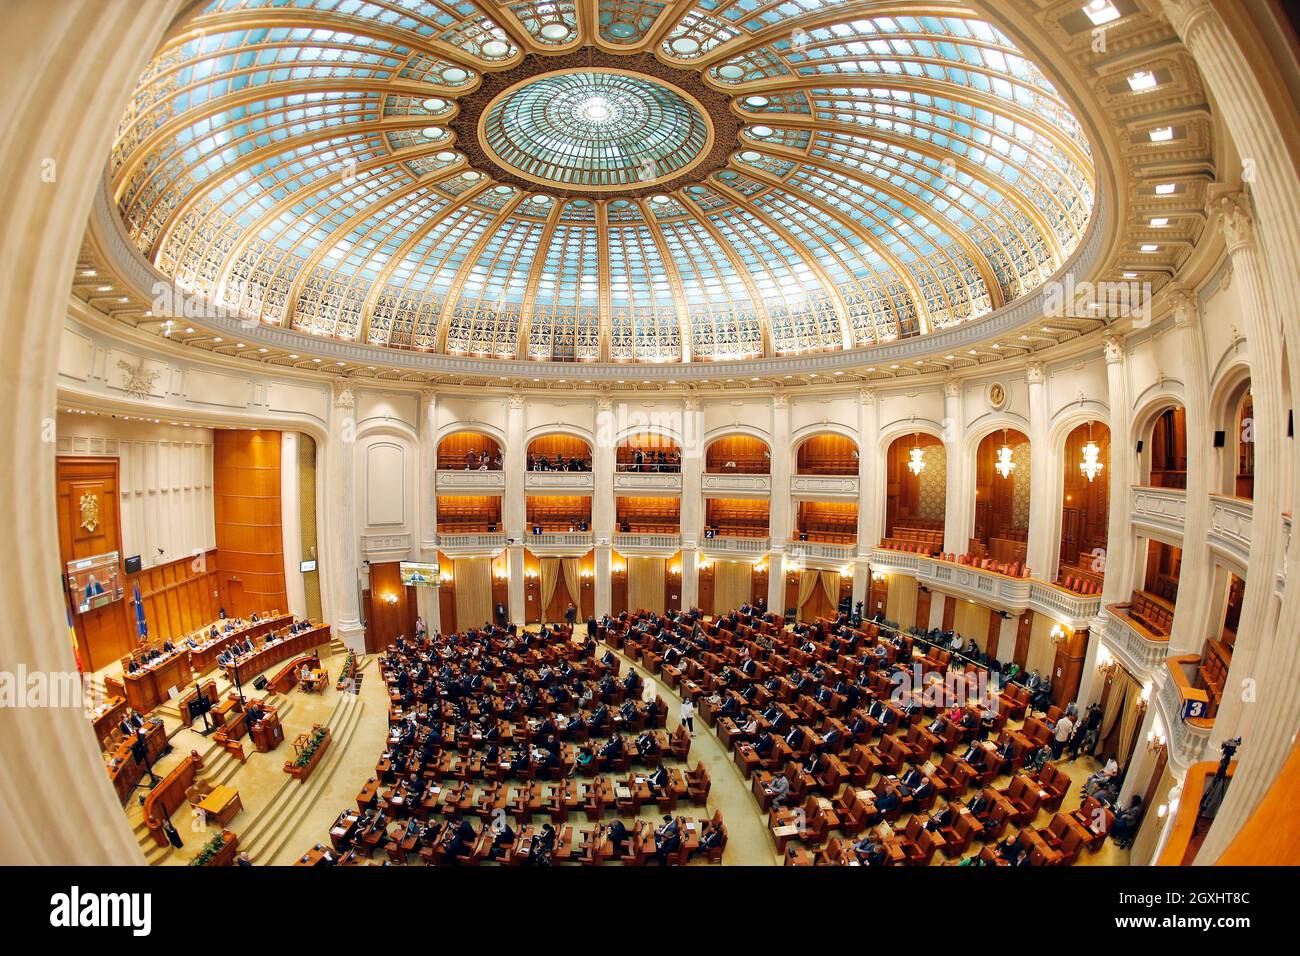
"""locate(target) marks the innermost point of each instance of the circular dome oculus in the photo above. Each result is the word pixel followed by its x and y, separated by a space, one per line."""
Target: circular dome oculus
pixel 598 129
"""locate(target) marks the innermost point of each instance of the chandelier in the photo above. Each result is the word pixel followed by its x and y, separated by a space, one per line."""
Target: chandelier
pixel 1005 466
pixel 916 465
pixel 1091 465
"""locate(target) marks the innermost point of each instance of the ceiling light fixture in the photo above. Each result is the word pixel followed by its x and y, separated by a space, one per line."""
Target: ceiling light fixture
pixel 1091 466
pixel 1004 466
pixel 916 464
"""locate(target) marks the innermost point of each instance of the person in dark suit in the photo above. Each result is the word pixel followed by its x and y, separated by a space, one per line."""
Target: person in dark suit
pixel 668 840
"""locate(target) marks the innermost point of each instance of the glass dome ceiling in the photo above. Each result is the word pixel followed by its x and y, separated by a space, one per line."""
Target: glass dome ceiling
pixel 655 184
pixel 595 129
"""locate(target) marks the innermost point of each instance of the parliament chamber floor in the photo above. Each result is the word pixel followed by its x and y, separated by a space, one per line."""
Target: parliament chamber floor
pixel 602 433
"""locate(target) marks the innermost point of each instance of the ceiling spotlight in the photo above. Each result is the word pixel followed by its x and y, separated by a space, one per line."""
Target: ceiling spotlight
pixel 1141 81
pixel 1101 12
pixel 1162 134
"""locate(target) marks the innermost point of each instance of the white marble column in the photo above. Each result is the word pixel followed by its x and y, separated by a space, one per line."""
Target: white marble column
pixel 1259 699
pixel 66 78
pixel 692 501
pixel 515 462
pixel 959 502
pixel 517 599
pixel 1119 540
pixel 341 520
pixel 291 525
pixel 779 523
pixel 428 509
pixel 603 512
pixel 1044 481
pixel 871 495
pixel 1196 575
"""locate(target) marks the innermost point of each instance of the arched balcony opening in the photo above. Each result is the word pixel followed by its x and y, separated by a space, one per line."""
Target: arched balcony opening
pixel 827 455
pixel 648 515
pixel 830 522
pixel 916 489
pixel 737 455
pixel 469 514
pixel 1235 444
pixel 736 518
pixel 1085 507
pixel 469 451
pixel 558 514
pixel 649 452
pixel 559 452
pixel 1165 460
pixel 1002 478
pixel 1151 605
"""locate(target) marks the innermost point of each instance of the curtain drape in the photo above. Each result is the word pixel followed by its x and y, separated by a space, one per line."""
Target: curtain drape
pixel 550 574
pixel 645 584
pixel 1041 657
pixel 831 585
pixel 1119 686
pixel 1129 720
pixel 473 592
pixel 573 581
pixel 732 585
pixel 808 582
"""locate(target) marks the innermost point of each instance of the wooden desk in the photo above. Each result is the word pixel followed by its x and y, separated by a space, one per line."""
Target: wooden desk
pixel 204 657
pixel 148 687
pixel 268 655
pixel 122 767
pixel 267 733
pixel 222 804
pixel 106 717
pixel 315 681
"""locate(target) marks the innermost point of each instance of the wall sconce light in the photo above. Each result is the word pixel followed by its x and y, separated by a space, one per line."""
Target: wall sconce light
pixel 675 569
pixel 390 598
pixel 705 564
pixel 586 574
pixel 878 575
pixel 1057 634
pixel 846 572
pixel 618 568
pixel 1146 694
pixel 760 567
pixel 1162 811
pixel 1155 739
pixel 531 575
pixel 1104 660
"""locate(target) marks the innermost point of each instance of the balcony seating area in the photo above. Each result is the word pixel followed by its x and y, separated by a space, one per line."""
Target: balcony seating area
pixel 737 519
pixel 833 523
pixel 930 540
pixel 1150 612
pixel 737 455
pixel 477 515
pixel 827 455
pixel 1013 569
pixel 1212 672
pixel 1079 577
pixel 648 516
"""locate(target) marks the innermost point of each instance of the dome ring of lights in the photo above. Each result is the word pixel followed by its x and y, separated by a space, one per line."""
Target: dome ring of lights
pixel 318 168
pixel 531 126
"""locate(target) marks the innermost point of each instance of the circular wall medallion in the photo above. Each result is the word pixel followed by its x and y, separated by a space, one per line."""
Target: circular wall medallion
pixel 997 396
pixel 588 124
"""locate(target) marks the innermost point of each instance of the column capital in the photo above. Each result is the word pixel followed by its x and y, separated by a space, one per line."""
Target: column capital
pixel 1183 15
pixel 952 388
pixel 344 397
pixel 1034 373
pixel 1114 349
pixel 691 404
pixel 428 396
pixel 1235 219
pixel 1182 301
pixel 780 401
pixel 867 396
pixel 516 401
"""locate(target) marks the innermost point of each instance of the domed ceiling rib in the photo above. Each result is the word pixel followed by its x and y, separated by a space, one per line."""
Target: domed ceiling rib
pixel 272 160
pixel 408 245
pixel 958 162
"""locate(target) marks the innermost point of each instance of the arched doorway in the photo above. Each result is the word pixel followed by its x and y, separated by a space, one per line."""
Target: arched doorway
pixel 916 488
pixel 1085 507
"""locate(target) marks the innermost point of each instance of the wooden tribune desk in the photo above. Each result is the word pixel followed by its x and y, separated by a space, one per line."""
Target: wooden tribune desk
pixel 122 768
pixel 222 804
pixel 147 688
pixel 268 655
pixel 204 657
pixel 106 717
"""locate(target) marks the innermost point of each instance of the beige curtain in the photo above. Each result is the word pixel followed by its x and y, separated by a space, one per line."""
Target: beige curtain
pixel 573 581
pixel 831 585
pixel 645 584
pixel 1129 720
pixel 808 582
pixel 1119 689
pixel 473 592
pixel 732 585
pixel 1041 657
pixel 550 574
